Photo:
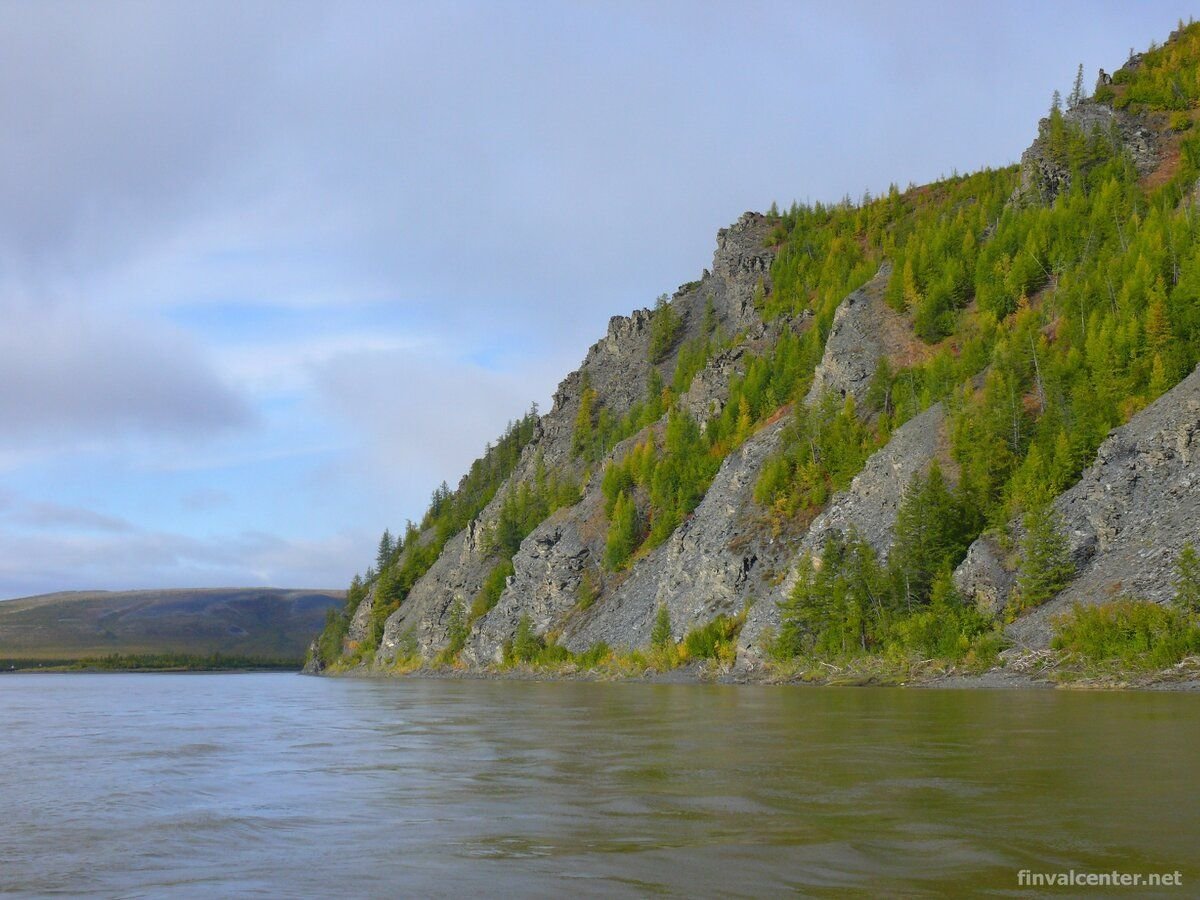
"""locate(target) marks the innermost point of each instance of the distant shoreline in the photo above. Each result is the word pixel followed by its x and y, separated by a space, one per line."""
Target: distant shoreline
pixel 151 662
pixel 994 679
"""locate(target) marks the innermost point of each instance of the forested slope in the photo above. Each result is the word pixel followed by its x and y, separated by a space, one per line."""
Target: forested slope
pixel 788 460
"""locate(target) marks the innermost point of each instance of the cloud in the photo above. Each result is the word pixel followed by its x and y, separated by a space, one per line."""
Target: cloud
pixel 205 499
pixel 72 377
pixel 33 563
pixel 46 515
pixel 422 418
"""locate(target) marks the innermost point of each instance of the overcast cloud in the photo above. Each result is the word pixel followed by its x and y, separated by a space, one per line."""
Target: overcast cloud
pixel 271 271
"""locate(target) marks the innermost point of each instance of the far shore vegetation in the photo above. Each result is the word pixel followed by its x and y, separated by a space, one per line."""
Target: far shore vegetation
pixel 153 662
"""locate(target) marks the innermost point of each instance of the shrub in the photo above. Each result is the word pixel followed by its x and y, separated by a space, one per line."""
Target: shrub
pixel 594 655
pixel 1133 632
pixel 589 590
pixel 493 587
pixel 526 643
pixel 716 640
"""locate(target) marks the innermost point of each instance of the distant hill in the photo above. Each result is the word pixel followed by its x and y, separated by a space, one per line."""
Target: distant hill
pixel 263 623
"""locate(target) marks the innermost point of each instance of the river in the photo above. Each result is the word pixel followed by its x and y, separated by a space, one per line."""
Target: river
pixel 144 785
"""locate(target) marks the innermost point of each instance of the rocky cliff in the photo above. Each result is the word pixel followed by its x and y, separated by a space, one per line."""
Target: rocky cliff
pixel 551 561
pixel 985 273
pixel 1126 519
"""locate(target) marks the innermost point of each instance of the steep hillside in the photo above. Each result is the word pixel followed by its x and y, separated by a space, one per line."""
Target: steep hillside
pixel 781 465
pixel 263 623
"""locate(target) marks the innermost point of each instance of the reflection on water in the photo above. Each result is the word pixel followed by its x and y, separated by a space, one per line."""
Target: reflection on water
pixel 195 785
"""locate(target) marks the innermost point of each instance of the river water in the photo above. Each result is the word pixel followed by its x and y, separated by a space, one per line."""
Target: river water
pixel 274 785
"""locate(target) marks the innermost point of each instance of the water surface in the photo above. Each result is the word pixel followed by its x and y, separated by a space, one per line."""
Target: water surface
pixel 272 784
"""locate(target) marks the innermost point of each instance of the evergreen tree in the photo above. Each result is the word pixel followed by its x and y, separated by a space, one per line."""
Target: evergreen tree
pixel 664 329
pixel 1046 566
pixel 1077 95
pixel 622 532
pixel 383 555
pixel 583 438
pixel 660 635
pixel 456 629
pixel 1187 580
pixel 932 533
pixel 525 643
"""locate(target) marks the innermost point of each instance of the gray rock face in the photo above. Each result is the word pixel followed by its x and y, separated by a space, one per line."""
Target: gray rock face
pixel 1127 518
pixel 740 264
pixel 1042 178
pixel 869 506
pixel 313 664
pixel 987 575
pixel 617 367
pixel 456 576
pixel 862 329
pixel 547 572
pixel 712 564
pixel 360 622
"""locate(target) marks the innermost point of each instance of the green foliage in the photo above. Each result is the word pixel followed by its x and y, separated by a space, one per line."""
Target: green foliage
pixel 660 635
pixel 493 587
pixel 933 530
pixel 410 557
pixel 823 448
pixel 583 438
pixel 1187 580
pixel 837 606
pixel 337 622
pixel 457 630
pixel 1134 633
pixel 594 655
pixel 624 532
pixel 528 647
pixel 383 556
pixel 716 640
pixel 525 506
pixel 650 491
pixel 846 604
pixel 1046 566
pixel 131 662
pixel 934 268
pixel 1168 77
pixel 526 643
pixel 664 329
pixel 597 431
pixel 947 628
pixel 589 590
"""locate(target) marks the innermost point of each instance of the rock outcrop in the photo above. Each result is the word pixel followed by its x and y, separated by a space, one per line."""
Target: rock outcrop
pixel 1126 519
pixel 868 506
pixel 360 622
pixel 723 556
pixel 864 330
pixel 618 369
pixel 1044 176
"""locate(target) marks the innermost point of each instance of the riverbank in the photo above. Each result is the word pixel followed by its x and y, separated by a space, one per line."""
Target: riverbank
pixel 1037 670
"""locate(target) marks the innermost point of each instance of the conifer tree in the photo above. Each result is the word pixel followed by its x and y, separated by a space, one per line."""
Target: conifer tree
pixel 664 328
pixel 1187 580
pixel 456 628
pixel 660 635
pixel 1077 91
pixel 1046 566
pixel 384 554
pixel 622 532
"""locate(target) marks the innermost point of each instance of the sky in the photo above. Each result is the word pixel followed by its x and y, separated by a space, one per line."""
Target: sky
pixel 269 272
